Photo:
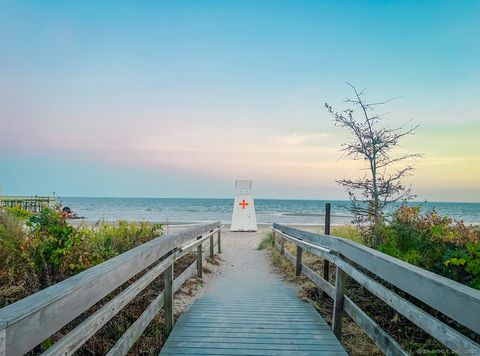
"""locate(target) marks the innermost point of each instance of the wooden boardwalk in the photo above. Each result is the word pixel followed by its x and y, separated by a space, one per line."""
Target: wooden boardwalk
pixel 248 311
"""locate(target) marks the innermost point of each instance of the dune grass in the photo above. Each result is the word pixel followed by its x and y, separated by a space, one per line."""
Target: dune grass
pixel 37 251
pixel 349 232
pixel 267 241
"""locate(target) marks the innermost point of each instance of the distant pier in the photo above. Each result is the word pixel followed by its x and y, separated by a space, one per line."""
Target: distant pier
pixel 32 204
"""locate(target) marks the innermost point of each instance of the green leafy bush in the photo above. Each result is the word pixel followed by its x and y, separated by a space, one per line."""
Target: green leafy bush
pixel 50 239
pixel 439 244
pixel 464 263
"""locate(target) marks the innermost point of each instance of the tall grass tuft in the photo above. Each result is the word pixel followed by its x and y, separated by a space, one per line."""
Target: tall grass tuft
pixel 267 241
pixel 349 232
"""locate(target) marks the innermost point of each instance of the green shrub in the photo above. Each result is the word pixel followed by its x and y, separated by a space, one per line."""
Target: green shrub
pixel 464 263
pixel 50 240
pixel 439 244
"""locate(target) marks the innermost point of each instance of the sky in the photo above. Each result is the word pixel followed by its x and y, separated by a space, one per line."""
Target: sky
pixel 180 98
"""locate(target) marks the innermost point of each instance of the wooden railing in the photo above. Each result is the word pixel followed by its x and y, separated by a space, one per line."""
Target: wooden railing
pixel 26 323
pixel 457 301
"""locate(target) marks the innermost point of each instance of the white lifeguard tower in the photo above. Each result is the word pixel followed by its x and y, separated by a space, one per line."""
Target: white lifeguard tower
pixel 243 218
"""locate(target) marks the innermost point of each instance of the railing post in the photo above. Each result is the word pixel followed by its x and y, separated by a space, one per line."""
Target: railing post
pixel 219 245
pixel 212 252
pixel 168 299
pixel 298 267
pixel 326 264
pixel 199 259
pixel 282 245
pixel 338 302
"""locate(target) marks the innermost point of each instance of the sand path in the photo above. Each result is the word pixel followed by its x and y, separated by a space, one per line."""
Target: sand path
pixel 240 249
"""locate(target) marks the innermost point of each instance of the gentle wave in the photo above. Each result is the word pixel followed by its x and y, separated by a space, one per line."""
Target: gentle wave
pixel 267 210
pixel 315 214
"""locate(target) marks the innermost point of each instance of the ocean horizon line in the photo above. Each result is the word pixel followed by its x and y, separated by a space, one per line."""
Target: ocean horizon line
pixel 257 198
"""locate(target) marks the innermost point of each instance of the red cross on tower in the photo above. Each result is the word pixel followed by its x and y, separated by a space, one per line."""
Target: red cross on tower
pixel 243 204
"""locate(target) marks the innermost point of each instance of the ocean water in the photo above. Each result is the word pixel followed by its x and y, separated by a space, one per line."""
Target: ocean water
pixel 182 210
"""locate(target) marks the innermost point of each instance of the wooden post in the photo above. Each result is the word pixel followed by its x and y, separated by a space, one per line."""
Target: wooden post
pixel 298 267
pixel 282 245
pixel 338 303
pixel 168 299
pixel 212 252
pixel 326 264
pixel 274 238
pixel 219 246
pixel 199 259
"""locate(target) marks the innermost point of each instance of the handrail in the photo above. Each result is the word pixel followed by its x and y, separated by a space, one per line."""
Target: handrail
pixel 464 303
pixel 193 244
pixel 26 323
pixel 316 247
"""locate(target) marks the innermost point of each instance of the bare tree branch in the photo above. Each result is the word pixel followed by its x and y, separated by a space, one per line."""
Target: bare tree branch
pixel 373 144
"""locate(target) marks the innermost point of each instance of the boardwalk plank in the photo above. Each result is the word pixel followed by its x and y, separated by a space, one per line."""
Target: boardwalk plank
pixel 252 345
pixel 274 339
pixel 266 334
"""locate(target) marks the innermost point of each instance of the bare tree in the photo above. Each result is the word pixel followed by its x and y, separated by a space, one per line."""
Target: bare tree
pixel 374 144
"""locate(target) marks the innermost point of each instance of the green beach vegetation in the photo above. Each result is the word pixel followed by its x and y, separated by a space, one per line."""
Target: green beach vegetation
pixel 37 251
pixel 267 241
pixel 433 242
pixel 439 244
pixel 436 243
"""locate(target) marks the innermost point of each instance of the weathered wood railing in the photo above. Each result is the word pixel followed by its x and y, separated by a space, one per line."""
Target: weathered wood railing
pixel 455 300
pixel 28 322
